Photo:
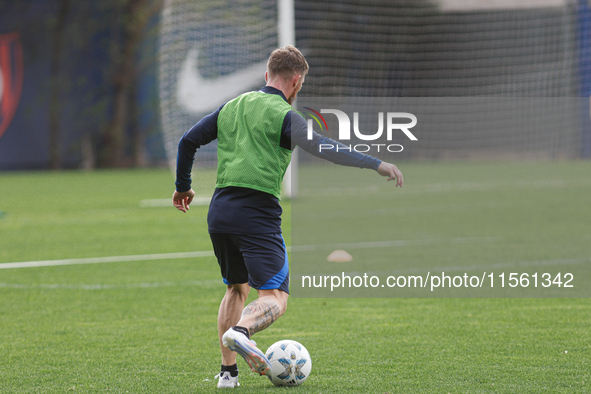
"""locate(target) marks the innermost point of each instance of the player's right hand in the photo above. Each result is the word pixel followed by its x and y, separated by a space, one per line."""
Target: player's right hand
pixel 182 200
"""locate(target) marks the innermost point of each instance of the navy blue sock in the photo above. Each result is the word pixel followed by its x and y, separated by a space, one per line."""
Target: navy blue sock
pixel 242 330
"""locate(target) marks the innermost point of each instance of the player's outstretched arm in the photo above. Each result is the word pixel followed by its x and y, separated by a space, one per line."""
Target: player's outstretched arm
pixel 182 200
pixel 331 150
pixel 391 171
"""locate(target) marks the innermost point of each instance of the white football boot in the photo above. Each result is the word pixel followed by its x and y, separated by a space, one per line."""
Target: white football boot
pixel 239 343
pixel 226 381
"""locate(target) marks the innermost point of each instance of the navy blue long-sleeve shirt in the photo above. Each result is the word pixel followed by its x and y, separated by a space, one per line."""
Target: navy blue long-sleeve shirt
pixel 238 210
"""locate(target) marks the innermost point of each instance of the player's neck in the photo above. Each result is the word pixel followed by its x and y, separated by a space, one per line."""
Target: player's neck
pixel 283 87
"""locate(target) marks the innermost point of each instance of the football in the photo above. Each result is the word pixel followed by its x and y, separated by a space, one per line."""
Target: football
pixel 290 363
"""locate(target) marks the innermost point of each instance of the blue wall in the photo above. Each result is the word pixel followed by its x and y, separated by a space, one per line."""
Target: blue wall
pixel 85 91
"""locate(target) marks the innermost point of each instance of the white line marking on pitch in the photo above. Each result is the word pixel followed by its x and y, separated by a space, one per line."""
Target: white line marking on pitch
pixel 394 243
pixel 208 253
pixel 109 259
pixel 52 286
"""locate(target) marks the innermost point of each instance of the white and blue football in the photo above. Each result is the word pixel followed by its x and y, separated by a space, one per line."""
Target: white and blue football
pixel 290 363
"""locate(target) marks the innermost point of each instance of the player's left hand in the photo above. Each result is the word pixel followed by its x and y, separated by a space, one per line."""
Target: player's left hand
pixel 182 200
pixel 392 172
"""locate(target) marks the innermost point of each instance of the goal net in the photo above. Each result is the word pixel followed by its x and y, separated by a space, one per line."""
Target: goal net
pixel 212 50
pixel 453 49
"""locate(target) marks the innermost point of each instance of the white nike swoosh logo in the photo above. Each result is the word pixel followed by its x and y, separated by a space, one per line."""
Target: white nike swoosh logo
pixel 198 95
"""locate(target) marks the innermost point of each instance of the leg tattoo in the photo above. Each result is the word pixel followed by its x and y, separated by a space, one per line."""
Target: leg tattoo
pixel 264 312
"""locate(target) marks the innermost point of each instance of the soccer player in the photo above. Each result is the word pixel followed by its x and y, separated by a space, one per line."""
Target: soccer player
pixel 256 133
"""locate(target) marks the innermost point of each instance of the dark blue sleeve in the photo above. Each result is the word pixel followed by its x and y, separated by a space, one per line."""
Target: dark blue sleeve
pixel 297 132
pixel 205 131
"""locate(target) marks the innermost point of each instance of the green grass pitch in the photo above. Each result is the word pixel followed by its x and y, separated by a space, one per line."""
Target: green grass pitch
pixel 150 326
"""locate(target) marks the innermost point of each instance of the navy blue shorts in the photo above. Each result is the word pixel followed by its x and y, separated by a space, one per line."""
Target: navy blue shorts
pixel 257 259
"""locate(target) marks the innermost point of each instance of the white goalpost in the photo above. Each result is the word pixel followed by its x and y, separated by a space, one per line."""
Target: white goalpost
pixel 286 36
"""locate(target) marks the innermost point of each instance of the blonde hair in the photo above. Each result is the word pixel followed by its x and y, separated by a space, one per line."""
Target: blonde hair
pixel 286 62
